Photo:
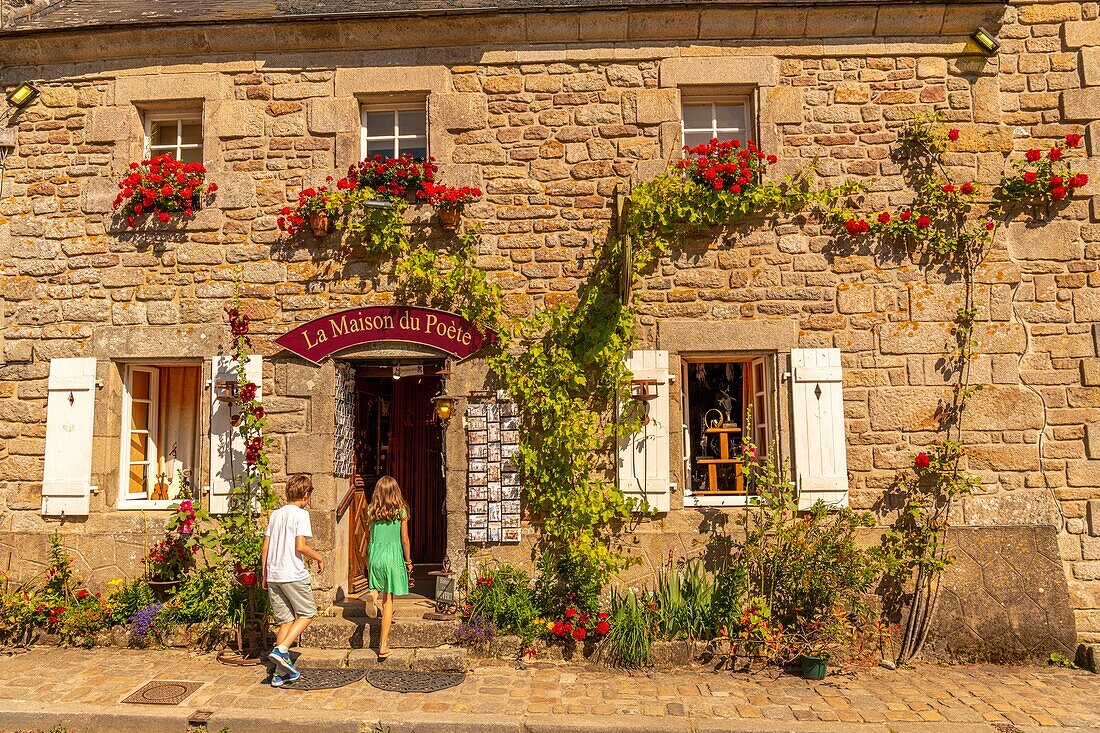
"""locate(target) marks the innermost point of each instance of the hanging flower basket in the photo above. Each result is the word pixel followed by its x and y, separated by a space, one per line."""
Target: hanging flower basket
pixel 450 219
pixel 319 223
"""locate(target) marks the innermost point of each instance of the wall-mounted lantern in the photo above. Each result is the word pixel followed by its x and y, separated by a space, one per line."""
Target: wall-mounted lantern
pixel 986 41
pixel 444 407
pixel 22 95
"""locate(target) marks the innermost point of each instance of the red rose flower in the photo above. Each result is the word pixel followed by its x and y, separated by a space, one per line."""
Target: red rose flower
pixel 949 188
pixel 884 217
pixel 952 135
pixel 1033 156
pixel 990 224
pixel 1073 140
pixel 906 215
pixel 922 460
pixel 968 188
pixel 923 222
pixel 772 160
pixel 854 227
pixel 602 628
pixel 82 594
pixel 164 216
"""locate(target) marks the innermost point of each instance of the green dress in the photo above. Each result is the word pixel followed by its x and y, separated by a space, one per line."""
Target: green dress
pixel 387 558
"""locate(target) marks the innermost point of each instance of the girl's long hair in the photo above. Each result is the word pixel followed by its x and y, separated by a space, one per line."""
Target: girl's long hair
pixel 387 503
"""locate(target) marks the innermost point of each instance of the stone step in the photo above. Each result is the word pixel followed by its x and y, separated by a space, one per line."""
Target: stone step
pixel 434 659
pixel 408 632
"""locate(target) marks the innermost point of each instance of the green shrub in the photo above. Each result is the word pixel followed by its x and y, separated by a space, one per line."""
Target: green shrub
pixel 631 634
pixel 568 580
pixel 504 597
pixel 124 599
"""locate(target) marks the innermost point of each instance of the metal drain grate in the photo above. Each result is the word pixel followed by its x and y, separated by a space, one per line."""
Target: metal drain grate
pixel 325 679
pixel 393 680
pixel 163 692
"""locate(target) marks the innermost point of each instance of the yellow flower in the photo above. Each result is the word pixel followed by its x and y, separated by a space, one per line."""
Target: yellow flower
pixel 117 581
pixel 549 625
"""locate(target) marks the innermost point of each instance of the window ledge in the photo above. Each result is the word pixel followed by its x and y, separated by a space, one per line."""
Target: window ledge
pixel 702 500
pixel 146 504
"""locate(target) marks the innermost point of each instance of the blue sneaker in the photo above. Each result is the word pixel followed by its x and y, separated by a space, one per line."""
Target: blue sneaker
pixel 290 678
pixel 283 660
pixel 277 680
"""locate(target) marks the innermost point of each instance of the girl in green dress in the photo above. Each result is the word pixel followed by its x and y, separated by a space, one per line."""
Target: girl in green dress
pixel 389 546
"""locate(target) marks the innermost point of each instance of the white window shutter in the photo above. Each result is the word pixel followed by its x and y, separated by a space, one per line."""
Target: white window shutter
pixel 644 455
pixel 820 460
pixel 70 407
pixel 226 443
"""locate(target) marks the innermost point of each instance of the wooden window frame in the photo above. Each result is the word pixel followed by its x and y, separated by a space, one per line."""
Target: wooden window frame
pixel 180 117
pixel 768 431
pixel 126 499
pixel 396 108
pixel 699 98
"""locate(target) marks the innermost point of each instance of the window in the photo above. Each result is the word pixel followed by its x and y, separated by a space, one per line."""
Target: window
pixel 723 398
pixel 160 434
pixel 393 132
pixel 705 119
pixel 177 134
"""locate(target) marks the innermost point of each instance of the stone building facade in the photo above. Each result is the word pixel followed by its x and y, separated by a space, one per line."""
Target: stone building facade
pixel 549 111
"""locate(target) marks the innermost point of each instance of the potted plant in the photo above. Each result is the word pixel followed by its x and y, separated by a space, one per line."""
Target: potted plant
pixel 164 187
pixel 317 206
pixel 818 638
pixel 449 203
pixel 168 561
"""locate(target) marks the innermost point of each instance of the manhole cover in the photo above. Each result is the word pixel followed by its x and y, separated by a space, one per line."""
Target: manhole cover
pixel 163 692
pixel 394 680
pixel 325 679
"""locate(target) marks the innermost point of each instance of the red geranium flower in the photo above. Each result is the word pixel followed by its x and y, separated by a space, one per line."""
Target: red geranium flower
pixel 990 224
pixel 968 188
pixel 602 628
pixel 1073 140
pixel 949 188
pixel 1058 193
pixel 570 612
pixel 922 460
pixel 923 222
pixel 952 135
pixel 1033 156
pixel 1055 154
pixel 906 215
pixel 1031 176
pixel 82 594
pixel 884 217
pixel 1079 181
pixel 579 633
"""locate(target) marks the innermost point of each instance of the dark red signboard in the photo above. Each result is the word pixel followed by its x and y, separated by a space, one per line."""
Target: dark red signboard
pixel 329 334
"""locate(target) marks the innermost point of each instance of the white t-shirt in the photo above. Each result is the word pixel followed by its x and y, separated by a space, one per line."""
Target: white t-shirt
pixel 284 564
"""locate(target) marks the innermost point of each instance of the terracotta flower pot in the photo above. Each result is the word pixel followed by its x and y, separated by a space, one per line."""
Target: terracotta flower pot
pixel 163 588
pixel 319 223
pixel 450 219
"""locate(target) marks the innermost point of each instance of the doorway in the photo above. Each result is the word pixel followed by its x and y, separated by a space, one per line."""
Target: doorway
pixel 397 433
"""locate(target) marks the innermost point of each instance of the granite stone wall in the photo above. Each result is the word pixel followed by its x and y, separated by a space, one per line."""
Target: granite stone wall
pixel 549 117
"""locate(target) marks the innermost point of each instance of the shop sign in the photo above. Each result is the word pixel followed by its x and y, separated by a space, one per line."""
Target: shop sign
pixel 329 334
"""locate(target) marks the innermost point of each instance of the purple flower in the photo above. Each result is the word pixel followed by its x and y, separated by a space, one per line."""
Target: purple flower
pixel 143 622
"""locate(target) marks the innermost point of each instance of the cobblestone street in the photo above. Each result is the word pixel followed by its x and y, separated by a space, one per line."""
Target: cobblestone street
pixel 82 690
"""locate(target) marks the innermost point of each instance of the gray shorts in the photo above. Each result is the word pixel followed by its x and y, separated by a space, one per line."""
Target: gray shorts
pixel 292 600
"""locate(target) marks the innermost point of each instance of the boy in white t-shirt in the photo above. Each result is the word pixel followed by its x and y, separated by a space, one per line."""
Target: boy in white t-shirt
pixel 285 575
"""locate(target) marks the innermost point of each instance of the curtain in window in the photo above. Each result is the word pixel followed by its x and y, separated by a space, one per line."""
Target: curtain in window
pixel 177 434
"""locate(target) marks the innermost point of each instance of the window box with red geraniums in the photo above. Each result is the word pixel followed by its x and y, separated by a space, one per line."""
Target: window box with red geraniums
pixel 392 178
pixel 726 165
pixel 162 187
pixel 450 202
pixel 320 207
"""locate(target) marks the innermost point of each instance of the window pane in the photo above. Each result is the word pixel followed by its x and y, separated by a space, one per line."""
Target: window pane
pixel 138 447
pixel 191 155
pixel 380 147
pixel 697 117
pixel 412 123
pixel 730 116
pixel 162 133
pixel 691 139
pixel 416 148
pixel 379 124
pixel 192 133
pixel 139 385
pixel 137 479
pixel 139 412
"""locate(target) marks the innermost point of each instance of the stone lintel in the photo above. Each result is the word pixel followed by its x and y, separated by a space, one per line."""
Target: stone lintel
pixel 761 71
pixel 155 342
pixel 392 80
pixel 695 336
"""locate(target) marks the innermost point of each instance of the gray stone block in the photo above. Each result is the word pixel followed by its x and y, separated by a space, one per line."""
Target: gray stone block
pixel 330 116
pixel 109 124
pixel 97 195
pixel 236 119
pixel 457 112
